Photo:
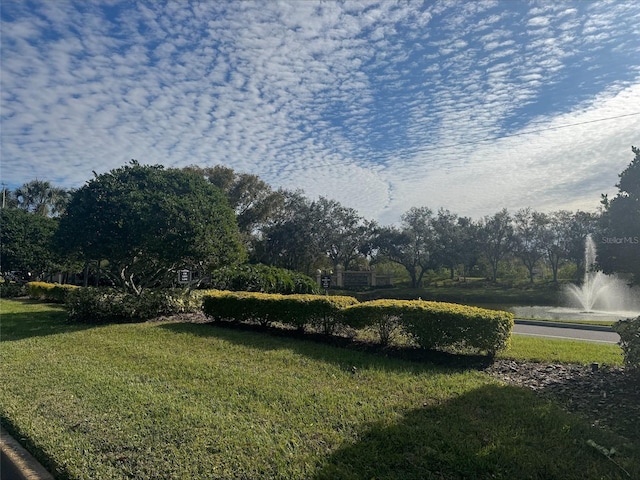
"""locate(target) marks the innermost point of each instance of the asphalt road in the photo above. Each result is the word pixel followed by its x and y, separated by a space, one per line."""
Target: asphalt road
pixel 567 333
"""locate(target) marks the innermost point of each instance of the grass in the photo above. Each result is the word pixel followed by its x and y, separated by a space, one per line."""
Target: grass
pixel 538 349
pixel 171 400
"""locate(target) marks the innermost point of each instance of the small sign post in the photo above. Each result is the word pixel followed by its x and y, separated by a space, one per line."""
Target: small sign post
pixel 184 276
pixel 325 282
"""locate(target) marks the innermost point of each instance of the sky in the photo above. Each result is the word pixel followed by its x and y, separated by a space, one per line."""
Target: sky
pixel 471 106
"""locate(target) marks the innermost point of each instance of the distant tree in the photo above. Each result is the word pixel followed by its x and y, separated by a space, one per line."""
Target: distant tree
pixel 412 246
pixel 556 238
pixel 469 244
pixel 41 198
pixel 619 248
pixel 344 235
pixel 26 241
pixel 455 242
pixel 149 222
pixel 496 239
pixel 290 239
pixel 580 225
pixel 528 244
pixel 253 200
pixel 446 251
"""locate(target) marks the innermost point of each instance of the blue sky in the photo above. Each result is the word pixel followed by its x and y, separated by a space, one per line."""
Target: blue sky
pixel 381 105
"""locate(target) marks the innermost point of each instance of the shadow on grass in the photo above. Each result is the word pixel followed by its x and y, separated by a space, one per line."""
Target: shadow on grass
pixel 346 352
pixel 20 325
pixel 491 432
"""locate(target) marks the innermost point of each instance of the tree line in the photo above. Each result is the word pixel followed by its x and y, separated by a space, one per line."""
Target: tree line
pixel 135 226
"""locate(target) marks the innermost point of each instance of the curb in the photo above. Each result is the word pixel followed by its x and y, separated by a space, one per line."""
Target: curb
pixel 18 464
pixel 575 326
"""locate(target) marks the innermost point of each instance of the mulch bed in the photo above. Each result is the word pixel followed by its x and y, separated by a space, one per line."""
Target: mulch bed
pixel 606 396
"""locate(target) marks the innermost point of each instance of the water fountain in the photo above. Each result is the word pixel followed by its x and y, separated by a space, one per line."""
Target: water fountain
pixel 600 292
pixel 600 297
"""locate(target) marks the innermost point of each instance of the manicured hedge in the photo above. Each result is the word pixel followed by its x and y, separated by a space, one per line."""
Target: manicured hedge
pixel 321 312
pixel 380 315
pixel 437 325
pixel 433 325
pixel 301 311
pixel 50 292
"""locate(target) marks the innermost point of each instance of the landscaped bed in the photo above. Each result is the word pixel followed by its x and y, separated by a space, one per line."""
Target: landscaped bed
pixel 171 399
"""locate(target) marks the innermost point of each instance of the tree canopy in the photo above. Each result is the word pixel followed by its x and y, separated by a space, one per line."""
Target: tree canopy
pixel 619 248
pixel 41 198
pixel 413 245
pixel 147 222
pixel 26 241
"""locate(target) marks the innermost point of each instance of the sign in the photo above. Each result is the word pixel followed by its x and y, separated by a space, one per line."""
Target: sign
pixel 184 276
pixel 325 281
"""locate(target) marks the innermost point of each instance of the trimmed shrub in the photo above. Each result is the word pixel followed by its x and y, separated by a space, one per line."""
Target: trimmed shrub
pixel 49 292
pixel 629 331
pixel 377 315
pixel 262 278
pixel 442 325
pixel 321 312
pixel 105 305
pixel 300 311
pixel 239 306
pixel 436 325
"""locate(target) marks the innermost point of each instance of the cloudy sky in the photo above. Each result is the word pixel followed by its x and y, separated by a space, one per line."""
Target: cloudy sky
pixel 473 106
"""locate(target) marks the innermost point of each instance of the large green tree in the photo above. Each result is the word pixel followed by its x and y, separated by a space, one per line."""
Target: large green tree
pixel 528 239
pixel 290 239
pixel 26 241
pixel 496 239
pixel 253 200
pixel 456 243
pixel 412 246
pixel 148 222
pixel 344 236
pixel 619 246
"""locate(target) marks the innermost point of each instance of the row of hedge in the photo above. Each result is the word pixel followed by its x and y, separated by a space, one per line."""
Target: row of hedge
pixel 301 311
pixel 49 292
pixel 432 325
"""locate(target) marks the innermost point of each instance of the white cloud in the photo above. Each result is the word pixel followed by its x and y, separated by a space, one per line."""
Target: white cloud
pixel 379 105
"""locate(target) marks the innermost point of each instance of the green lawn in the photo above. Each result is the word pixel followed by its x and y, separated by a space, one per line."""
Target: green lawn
pixel 171 400
pixel 538 349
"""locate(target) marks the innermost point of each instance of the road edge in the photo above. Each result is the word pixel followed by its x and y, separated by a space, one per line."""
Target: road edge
pixel 17 462
pixel 577 326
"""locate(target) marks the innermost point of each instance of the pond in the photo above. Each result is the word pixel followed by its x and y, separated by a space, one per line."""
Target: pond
pixel 566 313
